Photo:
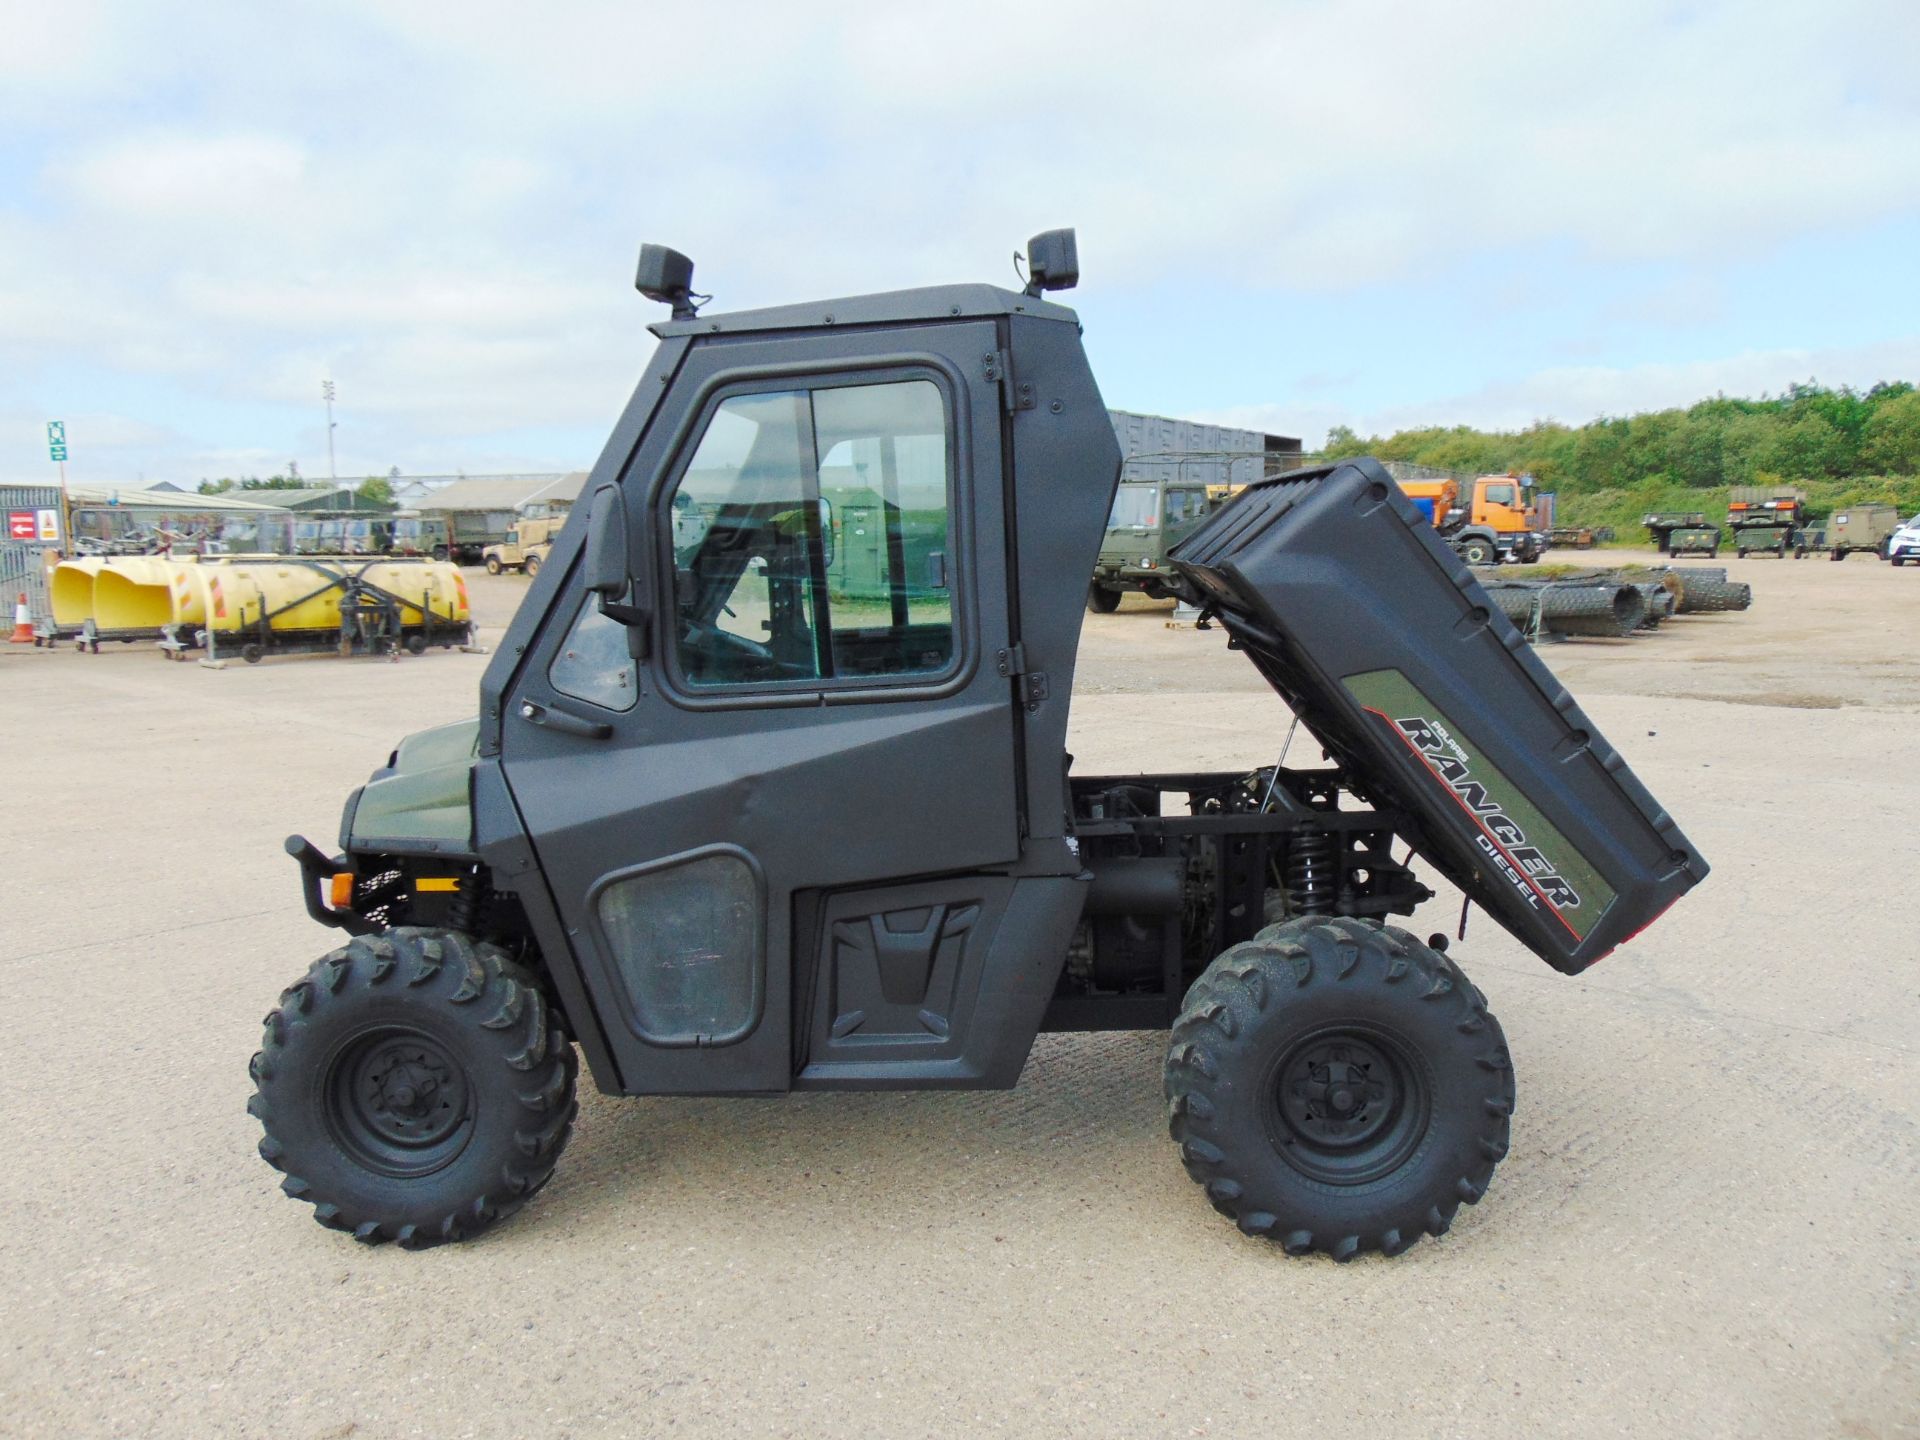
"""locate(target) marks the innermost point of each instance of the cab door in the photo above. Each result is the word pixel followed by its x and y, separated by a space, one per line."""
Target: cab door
pixel 811 716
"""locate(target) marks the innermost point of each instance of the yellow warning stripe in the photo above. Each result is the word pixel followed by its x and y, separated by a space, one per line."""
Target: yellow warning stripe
pixel 423 887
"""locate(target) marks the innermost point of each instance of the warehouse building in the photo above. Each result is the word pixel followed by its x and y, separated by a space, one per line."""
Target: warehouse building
pixel 1157 447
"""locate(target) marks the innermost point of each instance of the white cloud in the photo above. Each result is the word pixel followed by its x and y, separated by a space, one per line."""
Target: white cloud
pixel 437 202
pixel 193 178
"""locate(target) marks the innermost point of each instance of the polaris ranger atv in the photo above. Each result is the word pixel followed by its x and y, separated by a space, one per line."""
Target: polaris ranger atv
pixel 769 791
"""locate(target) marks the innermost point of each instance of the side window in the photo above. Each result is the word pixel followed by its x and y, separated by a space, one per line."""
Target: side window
pixel 811 538
pixel 883 476
pixel 746 525
pixel 593 664
pixel 1500 494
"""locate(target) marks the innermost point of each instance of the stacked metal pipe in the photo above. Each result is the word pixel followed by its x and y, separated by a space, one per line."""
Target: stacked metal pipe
pixel 1701 588
pixel 1702 596
pixel 1660 602
pixel 1696 589
pixel 1562 608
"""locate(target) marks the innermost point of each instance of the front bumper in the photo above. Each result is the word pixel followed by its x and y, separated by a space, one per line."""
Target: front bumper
pixel 1108 572
pixel 316 872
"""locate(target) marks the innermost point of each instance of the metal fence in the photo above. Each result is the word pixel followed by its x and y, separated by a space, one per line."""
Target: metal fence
pixel 34 525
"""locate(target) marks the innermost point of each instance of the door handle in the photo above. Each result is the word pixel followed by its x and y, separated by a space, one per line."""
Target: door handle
pixel 565 721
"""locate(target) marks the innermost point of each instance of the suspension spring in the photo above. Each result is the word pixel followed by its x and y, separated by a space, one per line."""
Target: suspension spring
pixel 469 904
pixel 1310 873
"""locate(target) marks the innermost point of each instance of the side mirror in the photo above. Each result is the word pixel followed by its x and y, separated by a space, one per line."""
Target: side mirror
pixel 610 571
pixel 667 276
pixel 606 558
pixel 1053 261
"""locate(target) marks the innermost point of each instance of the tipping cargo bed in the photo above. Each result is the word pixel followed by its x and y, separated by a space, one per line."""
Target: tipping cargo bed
pixel 1399 663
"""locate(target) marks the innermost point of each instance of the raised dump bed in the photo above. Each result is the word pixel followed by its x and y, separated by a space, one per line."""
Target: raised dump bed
pixel 1404 669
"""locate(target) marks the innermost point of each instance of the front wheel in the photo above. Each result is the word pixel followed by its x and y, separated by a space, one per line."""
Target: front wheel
pixel 413 1087
pixel 1102 599
pixel 494 567
pixel 1479 552
pixel 532 567
pixel 1338 1086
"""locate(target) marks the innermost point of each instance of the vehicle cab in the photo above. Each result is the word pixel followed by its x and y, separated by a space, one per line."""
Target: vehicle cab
pixel 1148 518
pixel 1504 504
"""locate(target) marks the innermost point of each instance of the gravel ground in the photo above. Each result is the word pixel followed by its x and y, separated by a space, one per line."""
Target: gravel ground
pixel 1706 1226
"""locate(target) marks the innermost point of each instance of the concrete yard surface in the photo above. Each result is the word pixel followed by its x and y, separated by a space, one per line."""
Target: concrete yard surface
pixel 1709 1223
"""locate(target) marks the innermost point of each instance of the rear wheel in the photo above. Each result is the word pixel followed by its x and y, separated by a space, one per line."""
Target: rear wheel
pixel 414 1087
pixel 1102 599
pixel 1338 1086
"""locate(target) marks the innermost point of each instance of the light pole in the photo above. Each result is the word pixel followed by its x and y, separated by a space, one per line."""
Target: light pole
pixel 326 393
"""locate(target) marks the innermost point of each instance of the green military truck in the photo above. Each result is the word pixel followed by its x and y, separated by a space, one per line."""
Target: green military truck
pixel 1682 533
pixel 1148 518
pixel 1766 518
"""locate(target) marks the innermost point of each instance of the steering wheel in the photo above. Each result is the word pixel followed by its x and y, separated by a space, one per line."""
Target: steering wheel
pixel 726 640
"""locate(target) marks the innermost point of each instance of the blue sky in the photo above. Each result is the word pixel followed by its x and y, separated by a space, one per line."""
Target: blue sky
pixel 1291 215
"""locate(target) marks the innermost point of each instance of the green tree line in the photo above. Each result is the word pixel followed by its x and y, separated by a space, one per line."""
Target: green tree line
pixel 375 489
pixel 1844 446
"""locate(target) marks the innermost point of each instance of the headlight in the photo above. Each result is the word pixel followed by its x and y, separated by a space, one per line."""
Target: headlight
pixel 1146 562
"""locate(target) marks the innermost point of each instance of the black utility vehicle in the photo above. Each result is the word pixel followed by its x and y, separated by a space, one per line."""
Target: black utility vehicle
pixel 769 791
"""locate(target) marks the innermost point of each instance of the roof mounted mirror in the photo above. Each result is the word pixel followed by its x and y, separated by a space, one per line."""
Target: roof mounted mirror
pixel 666 275
pixel 1053 261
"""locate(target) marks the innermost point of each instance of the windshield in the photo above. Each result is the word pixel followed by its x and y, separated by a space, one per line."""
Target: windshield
pixel 1136 505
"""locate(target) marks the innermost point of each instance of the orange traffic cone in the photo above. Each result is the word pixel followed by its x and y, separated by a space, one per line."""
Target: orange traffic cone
pixel 22 624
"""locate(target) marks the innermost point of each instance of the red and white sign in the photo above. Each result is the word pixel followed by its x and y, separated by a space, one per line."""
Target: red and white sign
pixel 20 525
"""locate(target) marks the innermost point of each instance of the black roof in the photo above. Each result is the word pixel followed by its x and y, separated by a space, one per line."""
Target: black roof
pixel 935 302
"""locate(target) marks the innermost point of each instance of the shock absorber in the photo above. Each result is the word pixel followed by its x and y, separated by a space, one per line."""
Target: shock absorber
pixel 469 904
pixel 1310 873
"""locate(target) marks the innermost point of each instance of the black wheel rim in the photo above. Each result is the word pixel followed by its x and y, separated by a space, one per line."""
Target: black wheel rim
pixel 399 1102
pixel 1347 1104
